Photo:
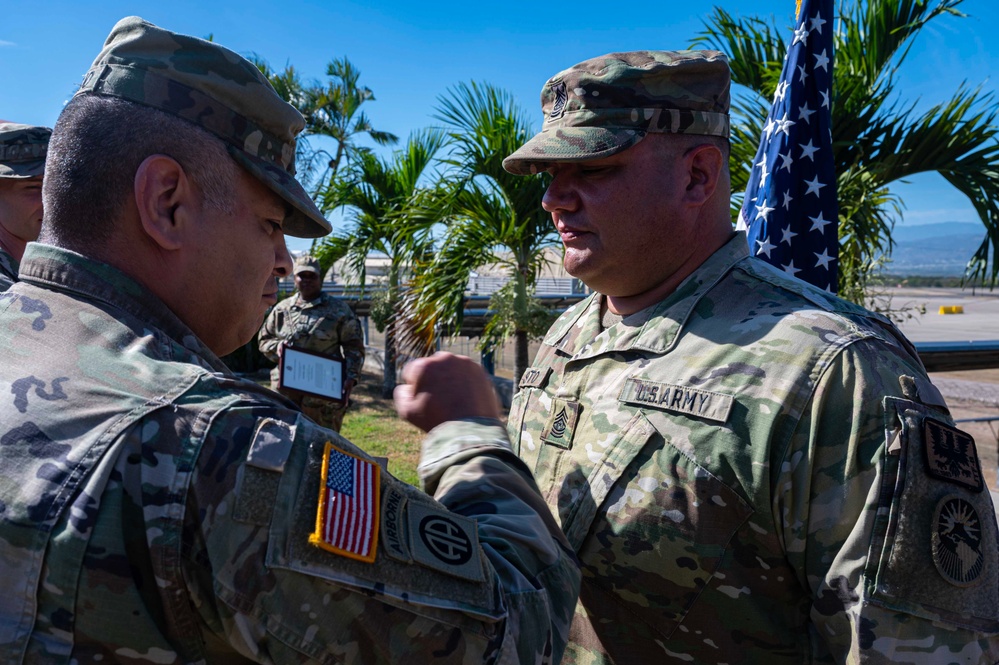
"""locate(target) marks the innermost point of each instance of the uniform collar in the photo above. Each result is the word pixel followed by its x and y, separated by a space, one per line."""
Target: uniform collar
pixel 65 271
pixel 579 333
pixel 302 303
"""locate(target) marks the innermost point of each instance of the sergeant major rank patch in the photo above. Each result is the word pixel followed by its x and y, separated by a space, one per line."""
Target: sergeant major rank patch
pixel 561 423
pixel 957 541
pixel 951 455
pixel 561 97
pixel 347 517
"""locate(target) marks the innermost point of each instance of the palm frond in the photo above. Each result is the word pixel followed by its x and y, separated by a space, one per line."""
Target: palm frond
pixel 878 137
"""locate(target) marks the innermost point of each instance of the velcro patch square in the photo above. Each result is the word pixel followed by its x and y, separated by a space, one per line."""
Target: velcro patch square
pixel 347 517
pixel 951 455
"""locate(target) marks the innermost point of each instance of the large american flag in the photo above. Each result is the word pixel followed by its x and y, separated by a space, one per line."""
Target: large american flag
pixel 789 210
pixel 347 519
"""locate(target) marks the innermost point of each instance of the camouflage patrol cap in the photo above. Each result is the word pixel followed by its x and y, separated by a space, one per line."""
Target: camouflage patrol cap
pixel 22 150
pixel 604 105
pixel 217 90
pixel 306 263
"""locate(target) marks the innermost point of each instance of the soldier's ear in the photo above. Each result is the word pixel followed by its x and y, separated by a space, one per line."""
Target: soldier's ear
pixel 704 164
pixel 166 199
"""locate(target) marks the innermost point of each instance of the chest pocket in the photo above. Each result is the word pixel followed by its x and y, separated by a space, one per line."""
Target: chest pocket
pixel 661 525
pixel 528 413
pixel 326 331
pixel 322 336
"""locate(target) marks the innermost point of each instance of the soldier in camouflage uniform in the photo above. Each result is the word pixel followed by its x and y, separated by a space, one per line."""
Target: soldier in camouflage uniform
pixel 315 321
pixel 22 163
pixel 155 508
pixel 750 470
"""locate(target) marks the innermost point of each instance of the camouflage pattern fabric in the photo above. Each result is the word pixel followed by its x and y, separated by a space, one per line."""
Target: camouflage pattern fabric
pixel 746 479
pixel 607 104
pixel 217 90
pixel 154 508
pixel 22 150
pixel 8 270
pixel 326 325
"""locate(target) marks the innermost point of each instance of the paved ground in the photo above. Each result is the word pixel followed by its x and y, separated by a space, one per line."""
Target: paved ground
pixel 973 396
pixel 980 320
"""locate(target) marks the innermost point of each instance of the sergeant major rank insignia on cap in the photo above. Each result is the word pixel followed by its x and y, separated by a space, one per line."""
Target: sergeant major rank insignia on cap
pixel 348 513
pixel 561 95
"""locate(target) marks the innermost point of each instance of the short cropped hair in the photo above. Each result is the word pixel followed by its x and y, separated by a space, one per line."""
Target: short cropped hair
pixel 97 146
pixel 686 141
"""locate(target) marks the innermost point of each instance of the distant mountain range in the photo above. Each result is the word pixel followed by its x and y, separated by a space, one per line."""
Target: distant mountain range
pixel 934 250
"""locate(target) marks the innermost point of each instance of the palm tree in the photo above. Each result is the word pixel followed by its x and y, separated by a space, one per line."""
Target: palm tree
pixel 491 216
pixel 378 197
pixel 332 110
pixel 878 139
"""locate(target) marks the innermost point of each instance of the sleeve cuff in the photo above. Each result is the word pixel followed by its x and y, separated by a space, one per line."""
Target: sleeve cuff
pixel 455 441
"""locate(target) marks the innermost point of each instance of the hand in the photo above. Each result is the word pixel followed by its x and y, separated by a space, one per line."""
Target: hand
pixel 444 387
pixel 347 387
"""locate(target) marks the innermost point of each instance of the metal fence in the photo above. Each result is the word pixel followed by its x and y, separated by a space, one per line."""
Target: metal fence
pixel 558 293
pixel 477 285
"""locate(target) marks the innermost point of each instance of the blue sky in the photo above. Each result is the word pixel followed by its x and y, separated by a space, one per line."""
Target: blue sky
pixel 410 53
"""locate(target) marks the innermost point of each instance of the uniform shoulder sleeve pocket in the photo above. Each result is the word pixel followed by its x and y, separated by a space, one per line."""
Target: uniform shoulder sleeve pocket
pixel 420 553
pixel 935 546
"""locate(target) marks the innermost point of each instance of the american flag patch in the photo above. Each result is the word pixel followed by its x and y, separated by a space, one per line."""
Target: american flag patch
pixel 347 518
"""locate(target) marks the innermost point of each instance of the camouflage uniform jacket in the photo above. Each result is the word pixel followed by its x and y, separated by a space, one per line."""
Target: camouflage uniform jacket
pixel 8 270
pixel 156 508
pixel 746 479
pixel 327 325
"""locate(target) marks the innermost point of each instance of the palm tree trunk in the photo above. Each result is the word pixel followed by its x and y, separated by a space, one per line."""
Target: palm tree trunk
pixel 520 358
pixel 389 377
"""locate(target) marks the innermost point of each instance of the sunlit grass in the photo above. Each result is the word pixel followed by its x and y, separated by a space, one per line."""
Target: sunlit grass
pixel 372 424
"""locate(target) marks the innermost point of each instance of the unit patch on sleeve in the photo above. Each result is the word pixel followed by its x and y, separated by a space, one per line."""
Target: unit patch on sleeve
pixel 957 541
pixel 682 399
pixel 347 517
pixel 951 455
